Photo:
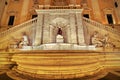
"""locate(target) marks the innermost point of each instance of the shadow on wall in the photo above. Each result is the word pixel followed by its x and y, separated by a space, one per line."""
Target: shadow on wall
pixel 5 77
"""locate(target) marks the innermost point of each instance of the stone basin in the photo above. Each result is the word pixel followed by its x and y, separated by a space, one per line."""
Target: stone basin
pixel 60 46
pixel 63 64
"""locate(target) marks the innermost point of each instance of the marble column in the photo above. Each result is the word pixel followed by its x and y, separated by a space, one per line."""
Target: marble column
pixel 38 36
pixel 80 30
pixel 73 29
pixel 46 29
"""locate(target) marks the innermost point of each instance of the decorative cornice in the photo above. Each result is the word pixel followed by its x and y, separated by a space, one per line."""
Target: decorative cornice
pixel 12 12
pixel 59 11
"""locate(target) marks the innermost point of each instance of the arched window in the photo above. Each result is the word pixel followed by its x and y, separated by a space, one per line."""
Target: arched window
pixel 116 4
pixel 109 18
pixel 11 20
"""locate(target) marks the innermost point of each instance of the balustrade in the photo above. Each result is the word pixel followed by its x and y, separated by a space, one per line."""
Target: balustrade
pixel 101 26
pixel 15 28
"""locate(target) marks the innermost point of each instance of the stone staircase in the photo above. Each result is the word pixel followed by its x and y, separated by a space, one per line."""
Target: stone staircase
pixel 58 64
pixel 67 64
pixel 101 26
pixel 10 37
pixel 93 26
pixel 5 62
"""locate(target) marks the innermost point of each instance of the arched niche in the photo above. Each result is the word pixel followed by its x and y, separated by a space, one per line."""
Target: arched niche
pixel 59 27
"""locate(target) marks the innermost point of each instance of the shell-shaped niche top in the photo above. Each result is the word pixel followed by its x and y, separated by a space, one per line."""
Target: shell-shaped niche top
pixel 59 22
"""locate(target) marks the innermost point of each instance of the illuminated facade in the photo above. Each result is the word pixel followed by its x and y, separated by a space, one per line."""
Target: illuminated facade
pixel 60 39
pixel 98 10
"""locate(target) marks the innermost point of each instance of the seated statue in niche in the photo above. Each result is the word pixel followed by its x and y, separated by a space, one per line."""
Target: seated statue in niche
pixel 59 37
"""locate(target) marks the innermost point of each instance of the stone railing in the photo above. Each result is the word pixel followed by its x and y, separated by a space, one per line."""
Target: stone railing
pixel 17 27
pixel 101 26
pixel 58 46
pixel 5 36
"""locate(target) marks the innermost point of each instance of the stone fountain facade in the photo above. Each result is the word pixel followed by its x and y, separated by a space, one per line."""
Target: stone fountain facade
pixel 59 29
pixel 69 21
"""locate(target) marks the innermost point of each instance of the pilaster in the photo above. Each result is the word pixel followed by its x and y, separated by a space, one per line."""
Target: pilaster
pixel 38 36
pixel 96 10
pixel 46 29
pixel 24 11
pixel 73 28
pixel 51 34
pixel 80 29
pixel 68 34
pixel 117 10
pixel 2 6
